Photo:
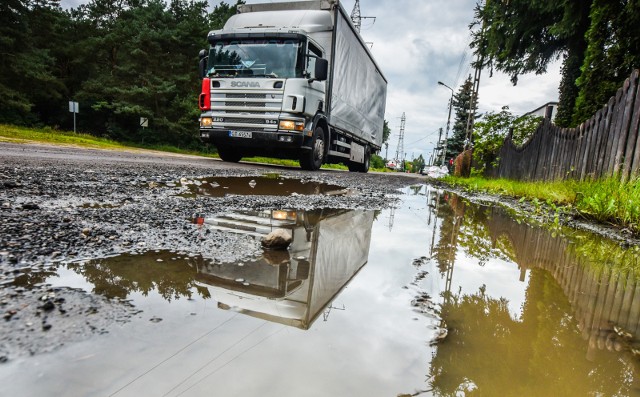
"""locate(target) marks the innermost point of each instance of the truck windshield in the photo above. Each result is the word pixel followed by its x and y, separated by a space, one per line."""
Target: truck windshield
pixel 256 58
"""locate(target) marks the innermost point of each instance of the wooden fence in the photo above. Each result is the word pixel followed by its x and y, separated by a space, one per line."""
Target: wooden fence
pixel 600 296
pixel 605 145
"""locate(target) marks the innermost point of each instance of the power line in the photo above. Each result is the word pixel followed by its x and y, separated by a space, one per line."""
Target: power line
pixel 212 360
pixel 171 356
pixel 229 361
pixel 425 137
pixel 463 60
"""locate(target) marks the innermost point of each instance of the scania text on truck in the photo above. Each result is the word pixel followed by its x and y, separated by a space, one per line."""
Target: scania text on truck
pixel 292 80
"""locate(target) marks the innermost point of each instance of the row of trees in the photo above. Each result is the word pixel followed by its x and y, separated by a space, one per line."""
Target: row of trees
pixel 121 60
pixel 597 40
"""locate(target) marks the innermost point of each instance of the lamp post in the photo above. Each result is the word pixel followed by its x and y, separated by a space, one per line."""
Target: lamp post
pixel 446 134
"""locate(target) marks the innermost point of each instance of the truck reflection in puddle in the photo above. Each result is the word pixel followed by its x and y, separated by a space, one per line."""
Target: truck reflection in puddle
pixel 292 286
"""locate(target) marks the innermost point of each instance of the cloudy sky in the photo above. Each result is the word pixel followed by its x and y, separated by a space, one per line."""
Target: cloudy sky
pixel 417 44
pixel 420 42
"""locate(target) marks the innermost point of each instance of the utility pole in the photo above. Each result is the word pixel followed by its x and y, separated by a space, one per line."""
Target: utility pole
pixel 446 134
pixel 438 144
pixel 472 103
pixel 474 93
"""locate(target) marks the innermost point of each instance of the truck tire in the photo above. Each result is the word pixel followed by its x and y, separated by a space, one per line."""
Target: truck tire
pixel 228 154
pixel 364 167
pixel 312 160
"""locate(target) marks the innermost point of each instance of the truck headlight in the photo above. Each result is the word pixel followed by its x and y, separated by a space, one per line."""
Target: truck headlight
pixel 206 122
pixel 282 215
pixel 291 125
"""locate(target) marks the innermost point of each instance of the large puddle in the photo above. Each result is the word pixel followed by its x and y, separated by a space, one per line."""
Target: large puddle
pixel 436 297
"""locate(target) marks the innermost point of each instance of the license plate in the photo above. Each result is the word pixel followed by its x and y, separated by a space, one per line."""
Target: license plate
pixel 240 134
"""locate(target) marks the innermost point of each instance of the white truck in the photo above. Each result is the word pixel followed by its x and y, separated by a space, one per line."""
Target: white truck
pixel 292 80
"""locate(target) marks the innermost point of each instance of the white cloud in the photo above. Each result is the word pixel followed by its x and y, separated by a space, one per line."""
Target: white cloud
pixel 418 44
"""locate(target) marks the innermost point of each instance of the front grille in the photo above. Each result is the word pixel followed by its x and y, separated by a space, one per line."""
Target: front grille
pixel 246 104
pixel 247 96
pixel 246 111
pixel 241 120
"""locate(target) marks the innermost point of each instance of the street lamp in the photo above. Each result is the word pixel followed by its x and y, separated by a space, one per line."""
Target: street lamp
pixel 446 134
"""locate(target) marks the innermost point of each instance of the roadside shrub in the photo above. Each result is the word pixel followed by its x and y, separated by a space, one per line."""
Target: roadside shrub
pixel 490 132
pixel 463 164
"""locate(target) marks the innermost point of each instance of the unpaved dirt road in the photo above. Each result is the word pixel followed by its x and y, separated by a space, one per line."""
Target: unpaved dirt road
pixel 64 204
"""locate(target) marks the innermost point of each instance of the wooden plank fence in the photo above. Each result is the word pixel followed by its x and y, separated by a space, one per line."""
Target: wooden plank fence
pixel 599 296
pixel 607 144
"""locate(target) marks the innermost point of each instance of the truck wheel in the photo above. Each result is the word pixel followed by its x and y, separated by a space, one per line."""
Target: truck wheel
pixel 228 154
pixel 312 160
pixel 364 167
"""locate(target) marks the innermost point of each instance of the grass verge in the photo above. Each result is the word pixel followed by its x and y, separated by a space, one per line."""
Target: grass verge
pixel 10 133
pixel 606 200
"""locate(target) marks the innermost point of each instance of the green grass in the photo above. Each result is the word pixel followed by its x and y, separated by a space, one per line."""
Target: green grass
pixel 606 200
pixel 9 133
pixel 48 135
pixel 557 192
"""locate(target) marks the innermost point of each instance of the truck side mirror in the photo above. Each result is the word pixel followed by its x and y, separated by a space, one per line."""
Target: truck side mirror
pixel 202 64
pixel 322 67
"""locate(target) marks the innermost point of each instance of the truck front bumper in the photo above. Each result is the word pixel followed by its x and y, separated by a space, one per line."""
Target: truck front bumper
pixel 252 139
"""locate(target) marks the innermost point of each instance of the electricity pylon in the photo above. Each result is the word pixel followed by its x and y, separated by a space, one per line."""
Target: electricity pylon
pixel 400 148
pixel 356 18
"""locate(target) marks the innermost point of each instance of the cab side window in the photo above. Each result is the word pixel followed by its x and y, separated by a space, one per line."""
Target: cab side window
pixel 313 50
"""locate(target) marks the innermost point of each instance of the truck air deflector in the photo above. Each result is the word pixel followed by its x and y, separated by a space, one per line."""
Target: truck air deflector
pixel 215 37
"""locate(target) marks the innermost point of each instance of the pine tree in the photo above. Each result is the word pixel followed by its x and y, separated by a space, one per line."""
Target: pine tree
pixel 523 36
pixel 461 106
pixel 613 52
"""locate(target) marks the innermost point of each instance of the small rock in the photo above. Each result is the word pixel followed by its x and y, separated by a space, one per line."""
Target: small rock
pixel 30 206
pixel 277 239
pixel 46 327
pixel 155 319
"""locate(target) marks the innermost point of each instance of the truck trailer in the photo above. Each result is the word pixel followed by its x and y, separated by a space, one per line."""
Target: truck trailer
pixel 292 80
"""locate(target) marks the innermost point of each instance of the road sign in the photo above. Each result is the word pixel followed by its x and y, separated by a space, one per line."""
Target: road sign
pixel 73 107
pixel 144 122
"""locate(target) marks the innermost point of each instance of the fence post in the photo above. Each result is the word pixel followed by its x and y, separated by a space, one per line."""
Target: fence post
pixel 632 153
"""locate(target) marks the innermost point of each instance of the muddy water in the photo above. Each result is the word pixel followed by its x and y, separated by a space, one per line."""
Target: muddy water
pixel 435 297
pixel 269 184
